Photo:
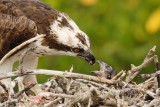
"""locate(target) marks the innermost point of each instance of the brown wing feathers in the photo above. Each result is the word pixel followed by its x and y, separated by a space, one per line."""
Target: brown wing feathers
pixel 14 31
pixel 19 20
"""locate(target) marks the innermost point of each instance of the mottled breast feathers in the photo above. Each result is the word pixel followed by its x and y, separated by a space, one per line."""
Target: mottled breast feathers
pixel 21 20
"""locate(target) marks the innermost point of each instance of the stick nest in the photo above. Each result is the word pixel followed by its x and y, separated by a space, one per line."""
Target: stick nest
pixel 105 89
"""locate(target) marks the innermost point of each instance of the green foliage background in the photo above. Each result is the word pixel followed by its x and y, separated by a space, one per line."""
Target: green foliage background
pixel 116 29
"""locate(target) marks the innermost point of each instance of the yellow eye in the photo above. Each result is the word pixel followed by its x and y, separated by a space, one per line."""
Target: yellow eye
pixel 76 50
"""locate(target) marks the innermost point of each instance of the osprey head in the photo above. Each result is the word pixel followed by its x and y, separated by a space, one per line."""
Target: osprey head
pixel 67 39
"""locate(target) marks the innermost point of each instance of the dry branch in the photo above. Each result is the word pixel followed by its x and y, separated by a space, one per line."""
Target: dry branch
pixel 58 73
pixel 20 46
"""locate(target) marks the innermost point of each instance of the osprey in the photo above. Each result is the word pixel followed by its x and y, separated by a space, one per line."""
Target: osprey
pixel 22 20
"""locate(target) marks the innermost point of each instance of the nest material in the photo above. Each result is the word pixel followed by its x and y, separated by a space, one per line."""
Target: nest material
pixel 68 89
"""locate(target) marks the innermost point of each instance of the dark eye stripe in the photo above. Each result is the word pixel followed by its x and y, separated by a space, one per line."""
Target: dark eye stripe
pixel 52 43
pixel 81 50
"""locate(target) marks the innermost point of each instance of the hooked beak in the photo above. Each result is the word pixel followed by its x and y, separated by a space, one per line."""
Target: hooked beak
pixel 88 56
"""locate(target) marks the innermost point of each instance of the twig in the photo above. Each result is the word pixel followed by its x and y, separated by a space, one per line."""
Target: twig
pixel 24 90
pixel 50 104
pixel 48 94
pixel 96 84
pixel 136 70
pixel 146 76
pixel 58 73
pixel 117 98
pixel 3 86
pixel 20 46
pixel 23 56
pixel 150 53
pixel 89 102
pixel 143 65
pixel 157 69
pixel 116 77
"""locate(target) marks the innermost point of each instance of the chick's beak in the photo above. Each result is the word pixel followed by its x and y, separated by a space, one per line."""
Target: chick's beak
pixel 88 56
